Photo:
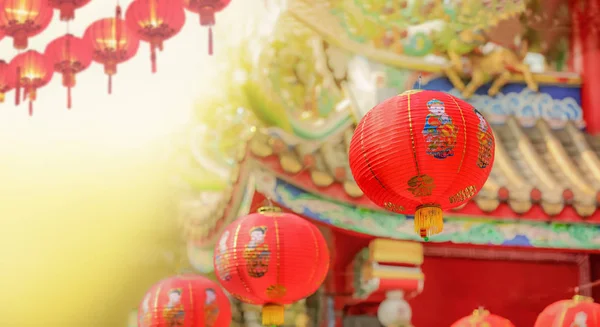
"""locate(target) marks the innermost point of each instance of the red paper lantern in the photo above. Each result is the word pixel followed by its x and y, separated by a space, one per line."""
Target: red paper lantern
pixel 112 43
pixel 579 311
pixel 21 19
pixel 422 152
pixel 155 21
pixel 32 71
pixel 271 258
pixel 69 55
pixel 206 9
pixel 67 7
pixel 6 79
pixel 483 318
pixel 185 301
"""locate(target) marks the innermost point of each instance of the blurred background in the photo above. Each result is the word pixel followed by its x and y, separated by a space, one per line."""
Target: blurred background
pixel 100 202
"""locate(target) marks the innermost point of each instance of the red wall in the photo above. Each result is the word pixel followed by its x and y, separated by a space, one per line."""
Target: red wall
pixel 516 290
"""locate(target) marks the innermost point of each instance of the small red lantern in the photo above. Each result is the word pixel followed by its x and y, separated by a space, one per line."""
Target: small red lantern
pixel 155 21
pixel 271 258
pixel 422 152
pixel 32 71
pixel 483 318
pixel 112 43
pixel 69 56
pixel 185 301
pixel 6 79
pixel 206 9
pixel 67 7
pixel 22 19
pixel 581 311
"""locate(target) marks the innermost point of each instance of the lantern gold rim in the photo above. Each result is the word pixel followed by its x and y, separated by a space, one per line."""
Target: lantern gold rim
pixel 269 211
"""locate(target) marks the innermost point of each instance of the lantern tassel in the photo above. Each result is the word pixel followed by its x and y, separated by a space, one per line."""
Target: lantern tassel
pixel 69 102
pixel 18 87
pixel 210 41
pixel 273 314
pixel 30 108
pixel 109 84
pixel 153 58
pixel 429 220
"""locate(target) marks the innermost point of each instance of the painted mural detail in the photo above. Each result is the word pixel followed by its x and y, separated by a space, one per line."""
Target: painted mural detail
pixel 256 253
pixel 557 105
pixel 174 312
pixel 439 131
pixel 484 156
pixel 221 259
pixel 456 229
pixel 211 310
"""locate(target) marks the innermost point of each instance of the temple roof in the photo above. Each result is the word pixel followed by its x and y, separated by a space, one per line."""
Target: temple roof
pixel 540 173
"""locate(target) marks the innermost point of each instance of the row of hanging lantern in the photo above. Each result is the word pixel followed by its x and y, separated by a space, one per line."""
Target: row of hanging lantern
pixel 108 41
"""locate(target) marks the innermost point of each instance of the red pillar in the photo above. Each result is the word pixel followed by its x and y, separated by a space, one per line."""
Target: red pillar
pixel 588 20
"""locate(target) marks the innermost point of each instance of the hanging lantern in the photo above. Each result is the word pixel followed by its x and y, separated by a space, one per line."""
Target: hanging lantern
pixel 112 43
pixel 21 19
pixel 6 79
pixel 271 259
pixel 155 21
pixel 69 55
pixel 185 301
pixel 206 9
pixel 580 311
pixel 483 318
pixel 67 7
pixel 32 71
pixel 422 152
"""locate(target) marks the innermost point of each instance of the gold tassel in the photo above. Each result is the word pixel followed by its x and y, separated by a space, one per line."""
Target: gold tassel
pixel 273 315
pixel 429 220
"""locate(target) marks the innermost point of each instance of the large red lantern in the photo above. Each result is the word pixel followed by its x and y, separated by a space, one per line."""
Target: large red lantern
pixel 21 19
pixel 422 152
pixel 206 9
pixel 580 311
pixel 185 301
pixel 6 79
pixel 155 21
pixel 112 43
pixel 67 7
pixel 69 55
pixel 483 318
pixel 32 71
pixel 271 259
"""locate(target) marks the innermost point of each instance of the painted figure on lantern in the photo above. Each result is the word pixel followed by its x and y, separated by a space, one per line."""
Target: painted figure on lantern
pixel 580 320
pixel 211 310
pixel 485 142
pixel 173 312
pixel 221 259
pixel 257 253
pixel 439 131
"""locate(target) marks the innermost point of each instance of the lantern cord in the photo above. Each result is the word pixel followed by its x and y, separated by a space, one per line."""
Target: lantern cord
pixel 30 108
pixel 18 87
pixel 210 41
pixel 586 286
pixel 69 97
pixel 419 81
pixel 109 84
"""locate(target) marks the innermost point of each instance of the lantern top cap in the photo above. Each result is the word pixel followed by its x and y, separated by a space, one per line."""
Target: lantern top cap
pixel 582 299
pixel 269 211
pixel 409 92
pixel 480 312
